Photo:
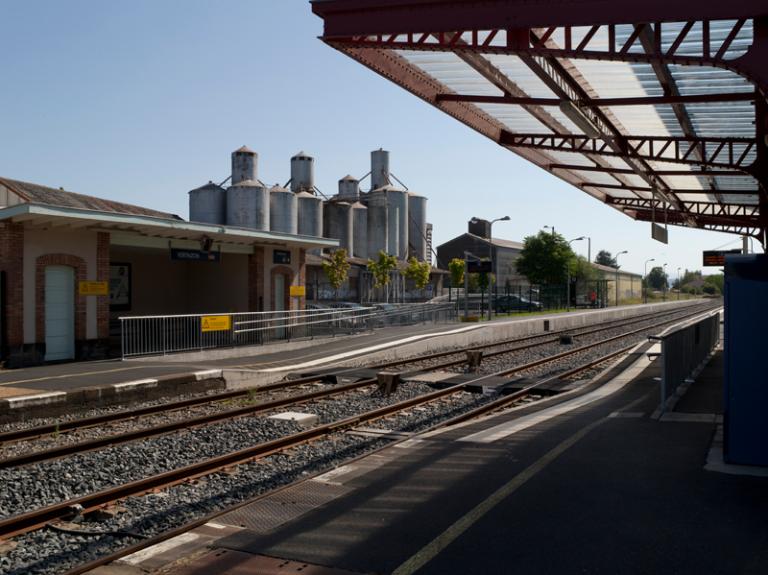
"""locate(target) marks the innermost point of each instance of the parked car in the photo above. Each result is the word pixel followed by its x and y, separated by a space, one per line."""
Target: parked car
pixel 507 303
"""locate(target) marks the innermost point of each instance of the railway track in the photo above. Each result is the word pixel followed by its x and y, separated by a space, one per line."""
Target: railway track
pixel 517 344
pixel 38 518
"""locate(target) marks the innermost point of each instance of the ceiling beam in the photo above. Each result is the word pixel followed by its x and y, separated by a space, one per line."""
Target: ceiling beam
pixel 611 170
pixel 755 192
pixel 603 102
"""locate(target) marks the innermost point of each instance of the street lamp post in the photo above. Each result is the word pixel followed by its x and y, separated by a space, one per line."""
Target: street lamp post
pixel 568 277
pixel 550 228
pixel 678 284
pixel 645 279
pixel 616 259
pixel 664 275
pixel 490 256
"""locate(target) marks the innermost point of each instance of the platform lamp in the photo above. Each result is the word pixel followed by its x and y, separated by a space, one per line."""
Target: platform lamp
pixel 616 259
pixel 550 228
pixel 645 279
pixel 679 284
pixel 490 254
pixel 568 277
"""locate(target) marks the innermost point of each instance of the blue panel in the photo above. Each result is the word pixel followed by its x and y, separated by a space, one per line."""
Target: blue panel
pixel 746 359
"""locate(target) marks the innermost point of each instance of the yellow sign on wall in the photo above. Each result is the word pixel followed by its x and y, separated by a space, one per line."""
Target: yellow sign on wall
pixel 298 291
pixel 93 288
pixel 215 323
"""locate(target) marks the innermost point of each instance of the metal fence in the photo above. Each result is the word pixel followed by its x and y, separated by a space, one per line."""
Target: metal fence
pixel 683 350
pixel 162 335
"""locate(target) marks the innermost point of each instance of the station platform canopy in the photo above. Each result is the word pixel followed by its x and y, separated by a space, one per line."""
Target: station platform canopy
pixel 659 115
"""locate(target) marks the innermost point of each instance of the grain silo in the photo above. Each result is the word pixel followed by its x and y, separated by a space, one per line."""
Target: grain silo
pixel 248 205
pixel 397 221
pixel 208 204
pixel 302 173
pixel 310 214
pixel 283 216
pixel 379 169
pixel 337 223
pixel 359 230
pixel 417 226
pixel 244 165
pixel 349 189
pixel 378 218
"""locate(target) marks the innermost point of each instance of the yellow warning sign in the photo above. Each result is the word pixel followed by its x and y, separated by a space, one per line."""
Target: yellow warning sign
pixel 215 323
pixel 93 288
pixel 298 291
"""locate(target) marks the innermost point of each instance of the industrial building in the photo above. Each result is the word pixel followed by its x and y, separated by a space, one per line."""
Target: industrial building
pixel 386 218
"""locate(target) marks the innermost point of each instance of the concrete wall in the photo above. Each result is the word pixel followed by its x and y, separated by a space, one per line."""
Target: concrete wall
pixel 81 244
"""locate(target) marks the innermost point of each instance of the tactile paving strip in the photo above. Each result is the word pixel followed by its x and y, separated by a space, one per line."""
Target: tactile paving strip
pixel 279 508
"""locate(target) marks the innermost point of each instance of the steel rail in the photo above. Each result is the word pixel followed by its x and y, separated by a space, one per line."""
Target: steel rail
pixel 75 424
pixel 144 433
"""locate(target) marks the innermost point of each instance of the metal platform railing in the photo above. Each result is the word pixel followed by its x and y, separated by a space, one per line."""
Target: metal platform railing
pixel 162 335
pixel 684 350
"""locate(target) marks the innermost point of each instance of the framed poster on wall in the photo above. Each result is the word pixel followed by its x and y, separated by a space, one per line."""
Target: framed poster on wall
pixel 119 286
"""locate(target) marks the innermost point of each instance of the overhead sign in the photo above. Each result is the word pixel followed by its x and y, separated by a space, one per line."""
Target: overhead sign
pixel 93 288
pixel 659 233
pixel 215 323
pixel 178 254
pixel 474 267
pixel 716 258
pixel 298 291
pixel 281 257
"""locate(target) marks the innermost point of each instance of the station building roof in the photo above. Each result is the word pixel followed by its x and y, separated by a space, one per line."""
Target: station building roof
pixel 655 108
pixel 43 208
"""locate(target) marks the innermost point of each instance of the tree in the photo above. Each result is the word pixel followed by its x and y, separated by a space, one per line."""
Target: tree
pixel 544 258
pixel 604 258
pixel 381 268
pixel 714 284
pixel 456 267
pixel 656 278
pixel 418 272
pixel 337 269
pixel 581 270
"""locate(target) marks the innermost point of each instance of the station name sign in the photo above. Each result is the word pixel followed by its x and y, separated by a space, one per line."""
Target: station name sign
pixel 194 255
pixel 714 258
pixel 479 267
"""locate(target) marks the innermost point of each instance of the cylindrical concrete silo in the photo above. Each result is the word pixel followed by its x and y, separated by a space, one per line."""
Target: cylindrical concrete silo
pixel 349 189
pixel 302 172
pixel 359 230
pixel 337 223
pixel 310 210
pixel 208 204
pixel 397 235
pixel 248 205
pixel 379 169
pixel 378 218
pixel 244 165
pixel 282 210
pixel 417 226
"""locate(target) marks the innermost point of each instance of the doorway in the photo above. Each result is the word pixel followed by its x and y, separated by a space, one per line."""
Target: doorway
pixel 59 313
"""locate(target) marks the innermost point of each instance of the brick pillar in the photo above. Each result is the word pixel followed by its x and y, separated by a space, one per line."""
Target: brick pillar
pixel 12 263
pixel 301 278
pixel 102 275
pixel 256 280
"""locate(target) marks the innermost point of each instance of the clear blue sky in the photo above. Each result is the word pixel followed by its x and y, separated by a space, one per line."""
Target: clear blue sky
pixel 143 100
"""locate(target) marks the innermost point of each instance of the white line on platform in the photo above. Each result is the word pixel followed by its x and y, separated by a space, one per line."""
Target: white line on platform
pixel 149 552
pixel 511 427
pixel 370 349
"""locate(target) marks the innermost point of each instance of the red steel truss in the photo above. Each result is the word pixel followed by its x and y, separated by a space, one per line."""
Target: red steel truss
pixel 545 34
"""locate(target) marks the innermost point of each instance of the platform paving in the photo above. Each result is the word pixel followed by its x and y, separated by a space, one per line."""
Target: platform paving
pixel 601 488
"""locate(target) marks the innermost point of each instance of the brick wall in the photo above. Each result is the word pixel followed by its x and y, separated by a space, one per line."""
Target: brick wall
pixel 102 275
pixel 12 264
pixel 256 280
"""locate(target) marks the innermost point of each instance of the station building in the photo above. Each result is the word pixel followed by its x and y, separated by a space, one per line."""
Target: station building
pixel 71 265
